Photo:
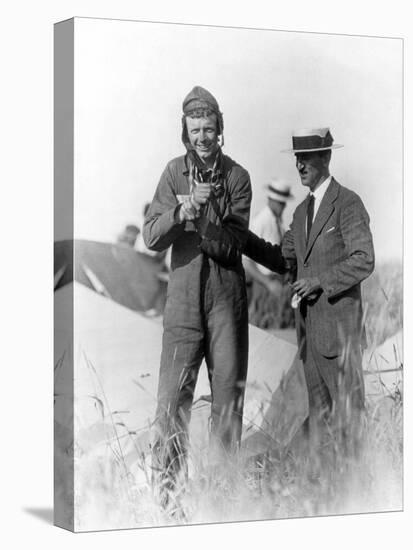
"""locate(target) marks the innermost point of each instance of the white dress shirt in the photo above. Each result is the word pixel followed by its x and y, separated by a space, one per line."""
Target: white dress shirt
pixel 318 195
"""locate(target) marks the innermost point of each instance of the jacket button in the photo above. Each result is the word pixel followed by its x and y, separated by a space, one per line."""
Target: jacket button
pixel 305 264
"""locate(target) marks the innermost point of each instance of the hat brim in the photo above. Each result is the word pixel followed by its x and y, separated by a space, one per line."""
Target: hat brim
pixel 334 146
pixel 280 198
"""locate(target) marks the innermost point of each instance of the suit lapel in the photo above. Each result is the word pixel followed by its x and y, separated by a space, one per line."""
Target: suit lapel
pixel 323 214
pixel 301 227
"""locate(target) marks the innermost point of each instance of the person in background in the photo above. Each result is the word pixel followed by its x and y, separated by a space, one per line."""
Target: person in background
pixel 128 236
pixel 268 292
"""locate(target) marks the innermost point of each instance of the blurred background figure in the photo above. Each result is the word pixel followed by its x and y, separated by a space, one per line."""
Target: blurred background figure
pixel 128 236
pixel 268 293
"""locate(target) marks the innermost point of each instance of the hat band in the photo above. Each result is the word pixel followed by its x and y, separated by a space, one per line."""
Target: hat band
pixel 312 142
pixel 285 194
pixel 277 197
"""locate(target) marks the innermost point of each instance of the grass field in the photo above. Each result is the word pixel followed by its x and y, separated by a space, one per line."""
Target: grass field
pixel 111 493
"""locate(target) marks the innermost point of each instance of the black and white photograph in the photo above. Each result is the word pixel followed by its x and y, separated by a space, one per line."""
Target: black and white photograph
pixel 206 265
pixel 228 255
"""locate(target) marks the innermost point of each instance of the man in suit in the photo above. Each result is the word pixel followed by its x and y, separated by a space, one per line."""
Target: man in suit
pixel 329 248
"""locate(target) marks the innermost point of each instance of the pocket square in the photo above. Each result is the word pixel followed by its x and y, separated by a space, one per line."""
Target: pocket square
pixel 330 229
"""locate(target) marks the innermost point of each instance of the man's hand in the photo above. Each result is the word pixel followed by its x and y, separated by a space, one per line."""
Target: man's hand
pixel 307 287
pixel 201 193
pixel 187 211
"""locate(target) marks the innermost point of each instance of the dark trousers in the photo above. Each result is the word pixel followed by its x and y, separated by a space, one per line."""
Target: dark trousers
pixel 320 402
pixel 215 329
pixel 335 397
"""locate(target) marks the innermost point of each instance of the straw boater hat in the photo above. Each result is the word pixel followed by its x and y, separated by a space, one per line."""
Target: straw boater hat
pixel 278 190
pixel 312 139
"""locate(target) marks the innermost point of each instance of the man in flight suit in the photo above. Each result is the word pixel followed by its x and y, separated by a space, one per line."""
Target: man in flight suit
pixel 201 207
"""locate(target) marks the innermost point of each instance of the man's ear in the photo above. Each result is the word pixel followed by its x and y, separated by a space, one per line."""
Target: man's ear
pixel 184 134
pixel 327 158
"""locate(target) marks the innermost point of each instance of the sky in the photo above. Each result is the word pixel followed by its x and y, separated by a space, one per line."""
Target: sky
pixel 131 78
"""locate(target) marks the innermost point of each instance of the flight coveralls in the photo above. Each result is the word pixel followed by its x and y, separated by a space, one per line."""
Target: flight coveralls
pixel 206 313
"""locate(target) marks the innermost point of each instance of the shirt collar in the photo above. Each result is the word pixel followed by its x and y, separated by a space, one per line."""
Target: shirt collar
pixel 218 164
pixel 318 194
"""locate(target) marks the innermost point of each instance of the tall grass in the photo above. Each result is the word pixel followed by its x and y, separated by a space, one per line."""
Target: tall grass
pixel 297 481
pixel 290 484
pixel 383 302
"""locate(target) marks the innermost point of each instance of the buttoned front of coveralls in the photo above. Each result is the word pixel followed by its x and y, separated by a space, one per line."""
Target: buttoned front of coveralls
pixel 206 315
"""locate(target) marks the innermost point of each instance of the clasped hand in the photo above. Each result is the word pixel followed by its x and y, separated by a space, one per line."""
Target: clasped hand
pixel 191 206
pixel 201 193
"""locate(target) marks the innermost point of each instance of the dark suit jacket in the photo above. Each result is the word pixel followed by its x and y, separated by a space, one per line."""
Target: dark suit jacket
pixel 340 253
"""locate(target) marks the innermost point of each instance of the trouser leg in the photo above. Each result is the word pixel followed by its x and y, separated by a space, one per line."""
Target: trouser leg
pixel 182 352
pixel 350 406
pixel 336 397
pixel 320 402
pixel 227 360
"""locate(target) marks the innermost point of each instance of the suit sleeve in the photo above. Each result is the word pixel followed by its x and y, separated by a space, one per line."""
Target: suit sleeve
pixel 224 243
pixel 358 241
pixel 288 250
pixel 162 225
pixel 264 253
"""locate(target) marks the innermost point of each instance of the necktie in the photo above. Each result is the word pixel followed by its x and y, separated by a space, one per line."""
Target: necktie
pixel 310 214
